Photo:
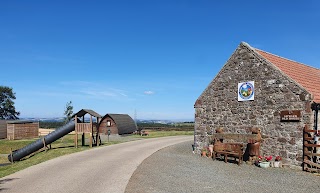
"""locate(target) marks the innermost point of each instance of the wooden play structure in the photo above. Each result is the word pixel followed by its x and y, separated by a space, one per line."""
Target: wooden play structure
pixel 79 125
pixel 82 127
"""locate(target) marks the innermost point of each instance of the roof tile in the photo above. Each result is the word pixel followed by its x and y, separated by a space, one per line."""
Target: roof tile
pixel 307 76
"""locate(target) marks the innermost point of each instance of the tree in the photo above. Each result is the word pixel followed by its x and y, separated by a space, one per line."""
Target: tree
pixel 7 109
pixel 68 112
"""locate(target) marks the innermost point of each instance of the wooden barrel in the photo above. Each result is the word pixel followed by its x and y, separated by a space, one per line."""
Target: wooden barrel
pixel 254 149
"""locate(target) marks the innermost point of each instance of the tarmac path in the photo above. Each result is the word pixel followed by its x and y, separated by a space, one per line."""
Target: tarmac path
pixel 103 169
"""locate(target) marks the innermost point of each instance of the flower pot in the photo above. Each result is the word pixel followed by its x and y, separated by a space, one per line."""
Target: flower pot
pixel 264 164
pixel 276 164
pixel 210 150
pixel 204 154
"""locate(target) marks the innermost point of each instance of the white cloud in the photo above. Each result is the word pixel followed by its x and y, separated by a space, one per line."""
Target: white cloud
pixel 96 90
pixel 95 93
pixel 80 83
pixel 148 92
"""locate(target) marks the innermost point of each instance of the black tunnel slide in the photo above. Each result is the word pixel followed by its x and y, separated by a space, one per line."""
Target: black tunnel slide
pixel 35 146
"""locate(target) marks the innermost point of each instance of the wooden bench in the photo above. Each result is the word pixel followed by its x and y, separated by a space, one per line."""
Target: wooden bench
pixel 228 149
pixel 144 133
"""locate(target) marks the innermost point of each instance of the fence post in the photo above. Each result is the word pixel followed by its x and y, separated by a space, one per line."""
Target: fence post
pixel 44 144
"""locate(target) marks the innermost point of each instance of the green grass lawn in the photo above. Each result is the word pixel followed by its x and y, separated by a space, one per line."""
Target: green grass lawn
pixel 62 146
pixel 14 144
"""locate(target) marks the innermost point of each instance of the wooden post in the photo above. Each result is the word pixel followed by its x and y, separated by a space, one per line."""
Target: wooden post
pixel 97 136
pixel 75 132
pixel 91 125
pixel 305 149
pixel 11 155
pixel 90 139
pixel 44 144
pixel 76 136
pixel 13 132
pixel 93 139
pixel 83 139
pixel 98 139
pixel 83 122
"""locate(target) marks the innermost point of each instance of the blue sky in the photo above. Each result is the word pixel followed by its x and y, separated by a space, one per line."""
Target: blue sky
pixel 154 57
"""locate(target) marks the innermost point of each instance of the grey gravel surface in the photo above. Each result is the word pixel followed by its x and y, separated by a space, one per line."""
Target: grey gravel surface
pixel 177 169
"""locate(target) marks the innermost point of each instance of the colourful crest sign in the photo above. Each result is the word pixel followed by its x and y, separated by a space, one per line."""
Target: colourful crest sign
pixel 246 91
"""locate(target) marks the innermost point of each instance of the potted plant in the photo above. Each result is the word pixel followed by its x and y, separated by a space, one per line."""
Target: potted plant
pixel 277 161
pixel 264 162
pixel 258 161
pixel 204 152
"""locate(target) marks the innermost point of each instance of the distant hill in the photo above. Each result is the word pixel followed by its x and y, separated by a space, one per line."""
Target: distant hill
pixel 54 119
pixel 61 119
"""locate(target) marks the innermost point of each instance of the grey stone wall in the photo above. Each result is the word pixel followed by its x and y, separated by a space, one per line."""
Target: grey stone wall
pixel 218 106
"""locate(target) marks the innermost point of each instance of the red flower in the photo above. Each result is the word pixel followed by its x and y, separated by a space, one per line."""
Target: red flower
pixel 268 158
pixel 278 158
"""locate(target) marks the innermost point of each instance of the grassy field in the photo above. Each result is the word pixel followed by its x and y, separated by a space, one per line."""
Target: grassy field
pixel 153 133
pixel 62 146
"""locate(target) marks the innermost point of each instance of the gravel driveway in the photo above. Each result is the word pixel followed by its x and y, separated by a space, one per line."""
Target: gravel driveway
pixel 176 169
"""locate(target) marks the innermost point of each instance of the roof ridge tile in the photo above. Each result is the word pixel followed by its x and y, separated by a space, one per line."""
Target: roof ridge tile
pixel 286 58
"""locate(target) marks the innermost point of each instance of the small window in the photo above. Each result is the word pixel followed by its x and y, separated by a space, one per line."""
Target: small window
pixel 108 123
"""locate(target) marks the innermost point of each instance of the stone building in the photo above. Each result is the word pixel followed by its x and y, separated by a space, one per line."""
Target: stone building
pixel 257 89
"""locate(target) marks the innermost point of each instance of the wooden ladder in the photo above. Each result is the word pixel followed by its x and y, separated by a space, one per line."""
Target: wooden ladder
pixel 310 151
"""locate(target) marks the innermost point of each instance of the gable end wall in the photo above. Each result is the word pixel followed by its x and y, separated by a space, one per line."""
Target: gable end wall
pixel 103 129
pixel 218 106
